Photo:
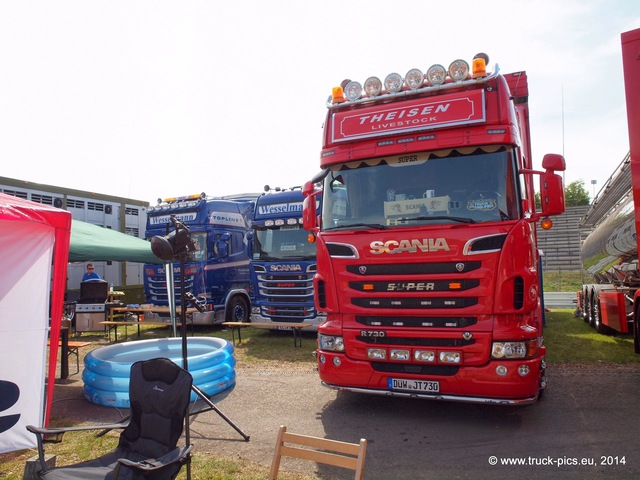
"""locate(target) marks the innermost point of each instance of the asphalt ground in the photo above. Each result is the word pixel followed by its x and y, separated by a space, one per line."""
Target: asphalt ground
pixel 586 426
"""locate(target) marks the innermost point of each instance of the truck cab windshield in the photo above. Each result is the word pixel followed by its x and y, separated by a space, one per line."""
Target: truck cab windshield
pixel 286 242
pixel 444 187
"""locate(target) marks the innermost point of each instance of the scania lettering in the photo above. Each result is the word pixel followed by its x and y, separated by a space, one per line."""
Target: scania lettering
pixel 219 274
pixel 428 265
pixel 413 246
pixel 284 262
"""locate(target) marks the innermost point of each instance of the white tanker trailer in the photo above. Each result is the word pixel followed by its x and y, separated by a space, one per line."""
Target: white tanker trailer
pixel 610 252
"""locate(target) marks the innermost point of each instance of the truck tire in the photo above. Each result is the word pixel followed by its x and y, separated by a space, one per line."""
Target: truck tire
pixel 597 317
pixel 636 330
pixel 238 310
pixel 588 308
pixel 584 305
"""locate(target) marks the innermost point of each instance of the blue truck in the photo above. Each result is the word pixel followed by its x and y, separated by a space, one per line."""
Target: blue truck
pixel 283 261
pixel 219 272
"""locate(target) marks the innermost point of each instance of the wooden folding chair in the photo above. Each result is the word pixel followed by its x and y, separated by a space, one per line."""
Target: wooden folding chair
pixel 321 450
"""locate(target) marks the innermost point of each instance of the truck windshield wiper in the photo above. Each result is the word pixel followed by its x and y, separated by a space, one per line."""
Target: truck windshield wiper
pixel 439 217
pixel 375 226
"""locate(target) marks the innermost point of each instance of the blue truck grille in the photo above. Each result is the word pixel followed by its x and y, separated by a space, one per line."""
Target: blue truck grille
pixel 289 296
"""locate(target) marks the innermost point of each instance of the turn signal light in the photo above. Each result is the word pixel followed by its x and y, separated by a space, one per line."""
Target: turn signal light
pixel 546 223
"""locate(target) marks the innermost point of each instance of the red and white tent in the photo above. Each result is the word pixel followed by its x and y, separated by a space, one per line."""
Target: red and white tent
pixel 34 249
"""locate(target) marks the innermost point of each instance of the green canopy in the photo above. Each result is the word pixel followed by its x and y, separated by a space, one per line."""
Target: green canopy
pixel 93 243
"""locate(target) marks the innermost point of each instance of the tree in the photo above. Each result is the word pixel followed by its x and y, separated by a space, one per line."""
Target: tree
pixel 575 194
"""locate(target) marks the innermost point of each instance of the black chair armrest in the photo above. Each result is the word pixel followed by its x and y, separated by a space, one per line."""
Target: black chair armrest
pixel 150 464
pixel 55 434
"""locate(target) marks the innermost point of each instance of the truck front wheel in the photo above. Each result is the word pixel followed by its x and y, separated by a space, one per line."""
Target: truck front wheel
pixel 238 310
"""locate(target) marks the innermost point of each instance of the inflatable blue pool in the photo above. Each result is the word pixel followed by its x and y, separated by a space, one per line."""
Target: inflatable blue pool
pixel 106 370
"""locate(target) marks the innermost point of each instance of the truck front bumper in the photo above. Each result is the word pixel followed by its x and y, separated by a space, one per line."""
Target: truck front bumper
pixel 470 384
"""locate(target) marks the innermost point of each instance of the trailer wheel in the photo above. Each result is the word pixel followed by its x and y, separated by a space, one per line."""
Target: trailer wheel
pixel 588 308
pixel 636 330
pixel 238 310
pixel 597 317
pixel 584 300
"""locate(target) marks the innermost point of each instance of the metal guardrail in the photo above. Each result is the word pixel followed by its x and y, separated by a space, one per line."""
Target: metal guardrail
pixel 560 299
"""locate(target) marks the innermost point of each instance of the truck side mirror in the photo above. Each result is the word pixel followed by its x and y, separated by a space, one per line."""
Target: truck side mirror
pixel 551 193
pixel 222 245
pixel 307 189
pixel 309 208
pixel 554 161
pixel 309 213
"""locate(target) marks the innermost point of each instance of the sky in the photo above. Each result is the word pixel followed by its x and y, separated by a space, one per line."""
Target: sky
pixel 150 99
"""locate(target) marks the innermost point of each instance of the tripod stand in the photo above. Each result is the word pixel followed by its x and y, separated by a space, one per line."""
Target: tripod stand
pixel 183 334
pixel 178 245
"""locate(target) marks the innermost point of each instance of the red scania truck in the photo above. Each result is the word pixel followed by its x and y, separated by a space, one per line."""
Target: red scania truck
pixel 428 267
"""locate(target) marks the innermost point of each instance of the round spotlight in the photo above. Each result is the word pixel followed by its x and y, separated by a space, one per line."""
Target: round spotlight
pixel 162 248
pixel 353 91
pixel 414 79
pixel 459 70
pixel 393 83
pixel 373 86
pixel 436 75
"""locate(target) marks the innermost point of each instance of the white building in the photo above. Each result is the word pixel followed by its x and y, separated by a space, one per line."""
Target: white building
pixel 122 214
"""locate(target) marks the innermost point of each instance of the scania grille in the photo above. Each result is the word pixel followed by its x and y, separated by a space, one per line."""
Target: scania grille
pixel 435 322
pixel 158 287
pixel 416 286
pixel 414 303
pixel 288 292
pixel 283 313
pixel 286 288
pixel 288 299
pixel 417 342
pixel 442 370
pixel 413 268
pixel 431 286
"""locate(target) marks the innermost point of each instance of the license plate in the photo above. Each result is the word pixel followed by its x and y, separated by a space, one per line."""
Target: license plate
pixel 279 327
pixel 425 386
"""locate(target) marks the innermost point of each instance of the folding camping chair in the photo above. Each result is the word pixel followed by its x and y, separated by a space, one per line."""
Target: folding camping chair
pixel 159 394
pixel 320 450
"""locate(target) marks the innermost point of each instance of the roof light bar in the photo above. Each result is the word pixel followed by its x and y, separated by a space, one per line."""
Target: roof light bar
pixel 459 70
pixel 393 82
pixel 373 86
pixel 436 75
pixel 353 91
pixel 414 79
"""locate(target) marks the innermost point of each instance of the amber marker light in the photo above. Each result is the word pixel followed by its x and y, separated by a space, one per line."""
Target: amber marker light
pixel 479 65
pixel 311 238
pixel 337 95
pixel 546 223
pixel 455 285
pixel 367 286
